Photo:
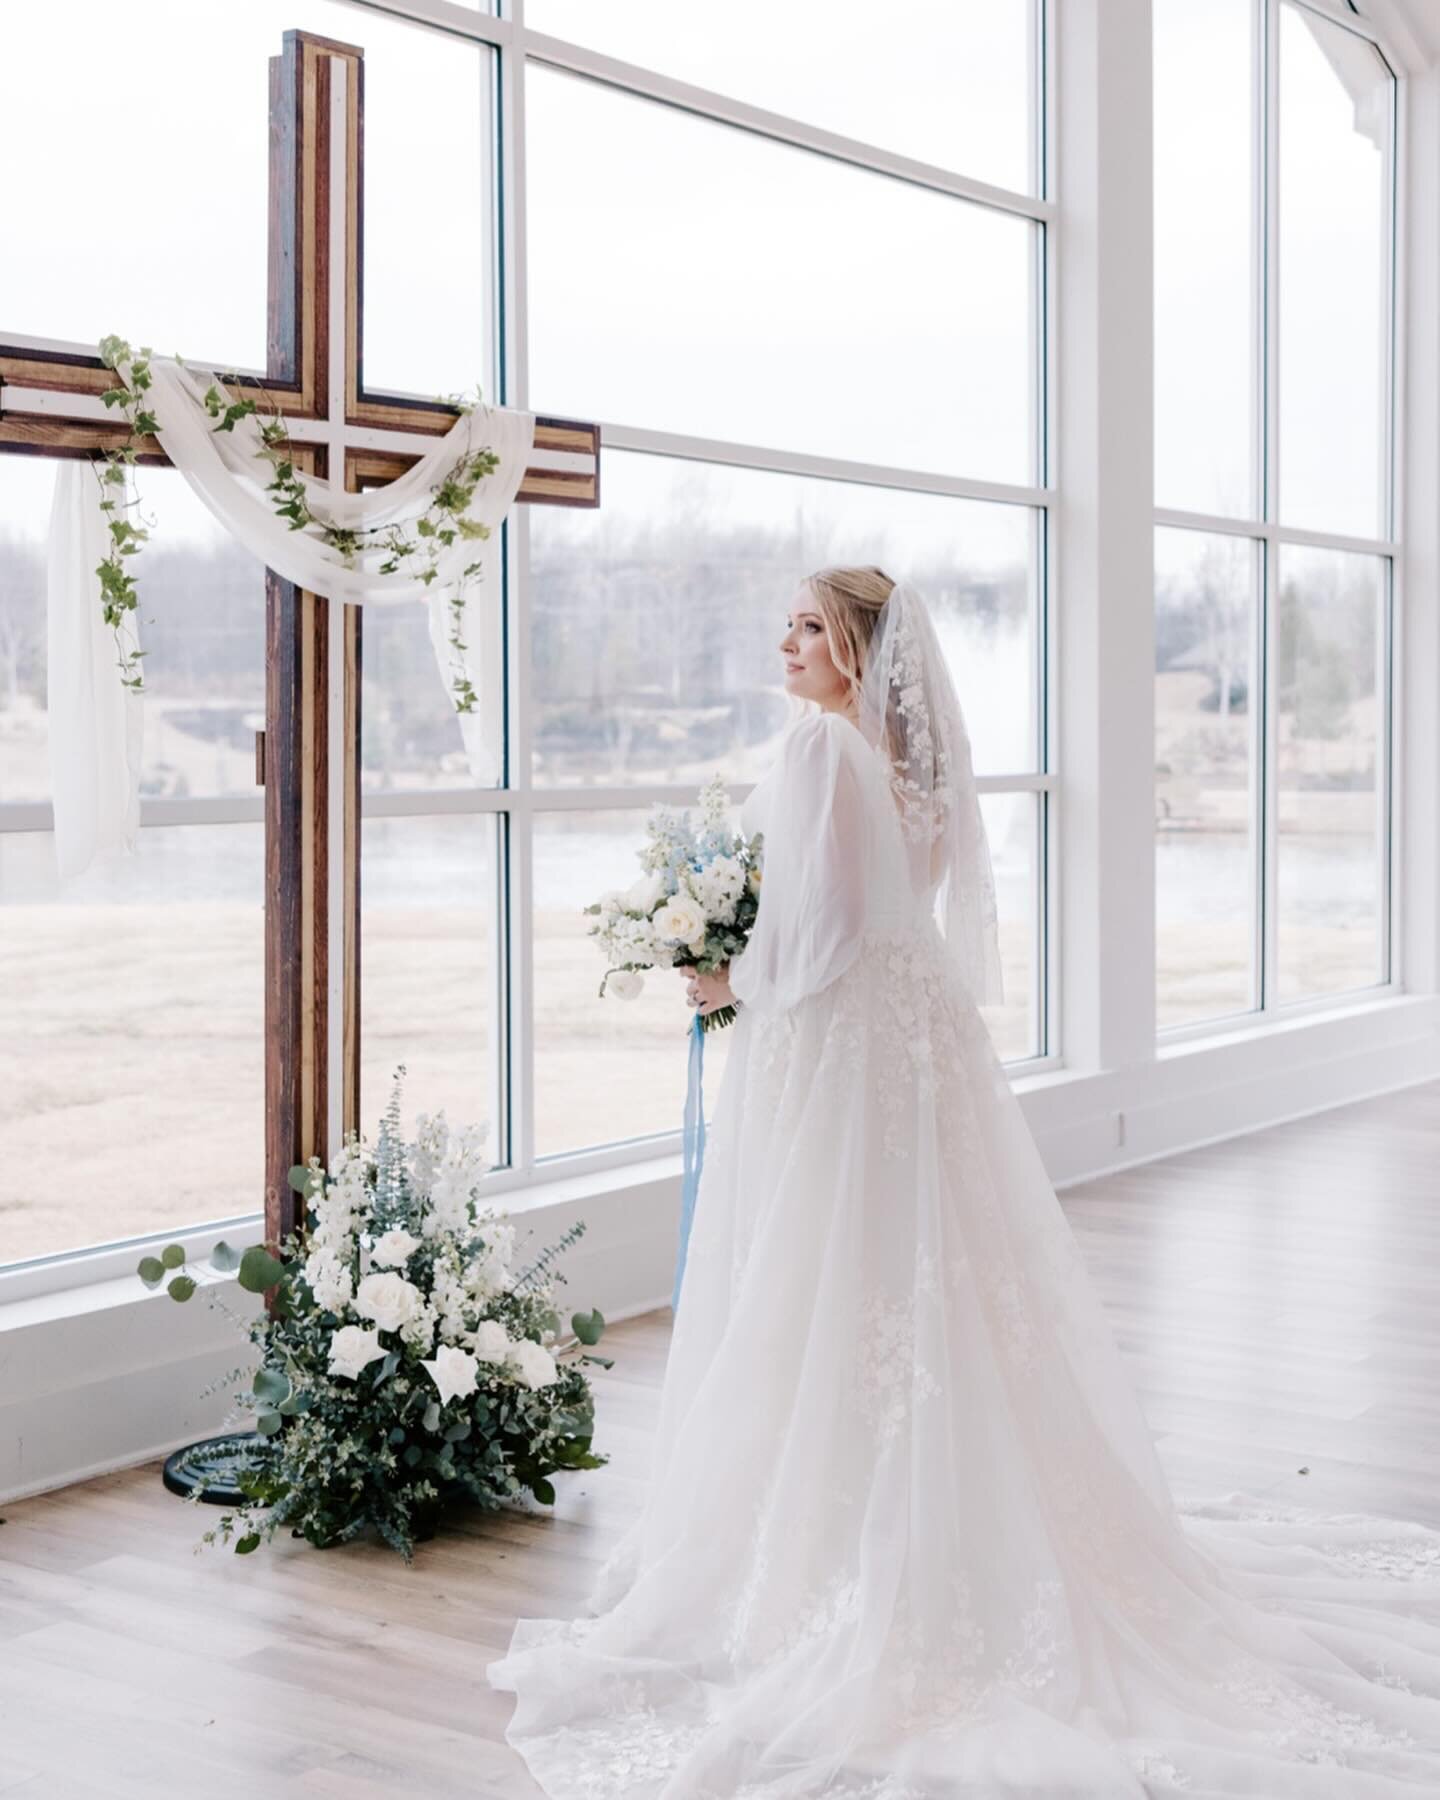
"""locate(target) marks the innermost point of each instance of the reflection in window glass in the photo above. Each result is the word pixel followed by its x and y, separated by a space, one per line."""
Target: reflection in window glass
pixel 134 1046
pixel 1204 812
pixel 946 84
pixel 657 620
pixel 1012 829
pixel 1330 840
pixel 608 1070
pixel 1204 262
pixel 202 626
pixel 410 731
pixel 426 107
pixel 427 962
pixel 1335 113
pixel 605 1070
pixel 691 277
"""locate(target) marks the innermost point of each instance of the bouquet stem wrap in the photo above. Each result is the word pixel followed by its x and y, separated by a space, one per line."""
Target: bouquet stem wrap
pixel 694 1136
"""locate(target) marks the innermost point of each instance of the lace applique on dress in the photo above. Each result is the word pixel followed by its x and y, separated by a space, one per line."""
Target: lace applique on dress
pixel 1159 1771
pixel 892 1381
pixel 1312 1728
pixel 935 1683
pixel 631 1746
pixel 759 1635
pixel 916 1028
pixel 1391 1559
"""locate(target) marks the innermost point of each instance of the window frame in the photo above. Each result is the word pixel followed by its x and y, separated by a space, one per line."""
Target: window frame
pixel 1267 535
pixel 511 1099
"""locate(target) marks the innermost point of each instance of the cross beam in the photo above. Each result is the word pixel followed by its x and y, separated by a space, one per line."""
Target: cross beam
pixel 309 759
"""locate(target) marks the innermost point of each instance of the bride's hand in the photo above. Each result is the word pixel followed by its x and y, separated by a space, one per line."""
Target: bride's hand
pixel 707 993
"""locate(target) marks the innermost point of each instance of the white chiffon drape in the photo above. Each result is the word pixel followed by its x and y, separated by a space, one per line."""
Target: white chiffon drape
pixel 95 723
pixel 905 1536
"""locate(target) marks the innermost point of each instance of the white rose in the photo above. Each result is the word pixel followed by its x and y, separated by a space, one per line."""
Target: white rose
pixel 351 1348
pixel 389 1299
pixel 533 1363
pixel 453 1372
pixel 680 920
pixel 625 984
pixel 492 1344
pixel 395 1248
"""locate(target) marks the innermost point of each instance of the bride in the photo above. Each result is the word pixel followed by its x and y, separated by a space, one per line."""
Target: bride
pixel 905 1535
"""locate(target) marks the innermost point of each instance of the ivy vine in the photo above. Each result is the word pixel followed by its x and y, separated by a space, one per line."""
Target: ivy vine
pixel 118 595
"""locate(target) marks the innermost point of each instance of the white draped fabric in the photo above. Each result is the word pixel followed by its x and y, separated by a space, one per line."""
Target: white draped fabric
pixel 96 775
pixel 905 1535
pixel 96 723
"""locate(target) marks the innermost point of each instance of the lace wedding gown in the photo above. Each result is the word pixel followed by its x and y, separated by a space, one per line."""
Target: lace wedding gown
pixel 905 1535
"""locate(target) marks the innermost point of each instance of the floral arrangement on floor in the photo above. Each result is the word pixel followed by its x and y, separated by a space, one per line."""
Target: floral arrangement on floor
pixel 693 906
pixel 404 1362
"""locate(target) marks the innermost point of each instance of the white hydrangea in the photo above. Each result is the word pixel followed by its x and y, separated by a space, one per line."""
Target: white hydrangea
pixel 333 1216
pixel 329 1280
pixel 418 1331
pixel 447 1292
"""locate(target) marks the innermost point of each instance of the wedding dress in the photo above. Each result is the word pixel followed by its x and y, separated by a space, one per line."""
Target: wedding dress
pixel 905 1535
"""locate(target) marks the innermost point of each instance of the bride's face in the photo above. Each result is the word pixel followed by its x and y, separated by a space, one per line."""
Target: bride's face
pixel 809 671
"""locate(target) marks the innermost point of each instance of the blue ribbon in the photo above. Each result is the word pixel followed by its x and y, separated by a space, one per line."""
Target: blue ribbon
pixel 694 1145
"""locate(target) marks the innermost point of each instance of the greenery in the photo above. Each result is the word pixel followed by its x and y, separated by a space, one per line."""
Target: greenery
pixel 404 1363
pixel 444 523
pixel 118 595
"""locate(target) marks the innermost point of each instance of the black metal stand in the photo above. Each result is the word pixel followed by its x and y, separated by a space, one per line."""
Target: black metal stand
pixel 212 1465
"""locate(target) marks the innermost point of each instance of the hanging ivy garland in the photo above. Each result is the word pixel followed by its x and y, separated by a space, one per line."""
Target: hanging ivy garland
pixel 442 523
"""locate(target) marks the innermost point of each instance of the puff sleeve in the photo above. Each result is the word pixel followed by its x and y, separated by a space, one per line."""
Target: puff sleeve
pixel 815 852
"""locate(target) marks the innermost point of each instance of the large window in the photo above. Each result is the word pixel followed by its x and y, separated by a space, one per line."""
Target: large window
pixel 1274 252
pixel 812 323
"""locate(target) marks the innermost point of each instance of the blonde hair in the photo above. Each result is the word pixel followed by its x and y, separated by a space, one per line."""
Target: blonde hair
pixel 850 599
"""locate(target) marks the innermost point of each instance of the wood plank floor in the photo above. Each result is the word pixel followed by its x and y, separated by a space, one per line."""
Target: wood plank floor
pixel 1275 1299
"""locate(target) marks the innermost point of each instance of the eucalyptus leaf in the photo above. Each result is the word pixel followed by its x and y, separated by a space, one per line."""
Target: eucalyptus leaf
pixel 181 1287
pixel 173 1256
pixel 268 1423
pixel 272 1385
pixel 246 1544
pixel 259 1270
pixel 151 1270
pixel 588 1326
pixel 225 1257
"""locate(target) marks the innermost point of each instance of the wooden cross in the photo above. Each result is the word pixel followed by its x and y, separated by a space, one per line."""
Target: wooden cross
pixel 309 757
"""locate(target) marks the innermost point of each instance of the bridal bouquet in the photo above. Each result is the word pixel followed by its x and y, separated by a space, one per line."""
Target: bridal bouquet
pixel 405 1361
pixel 693 905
